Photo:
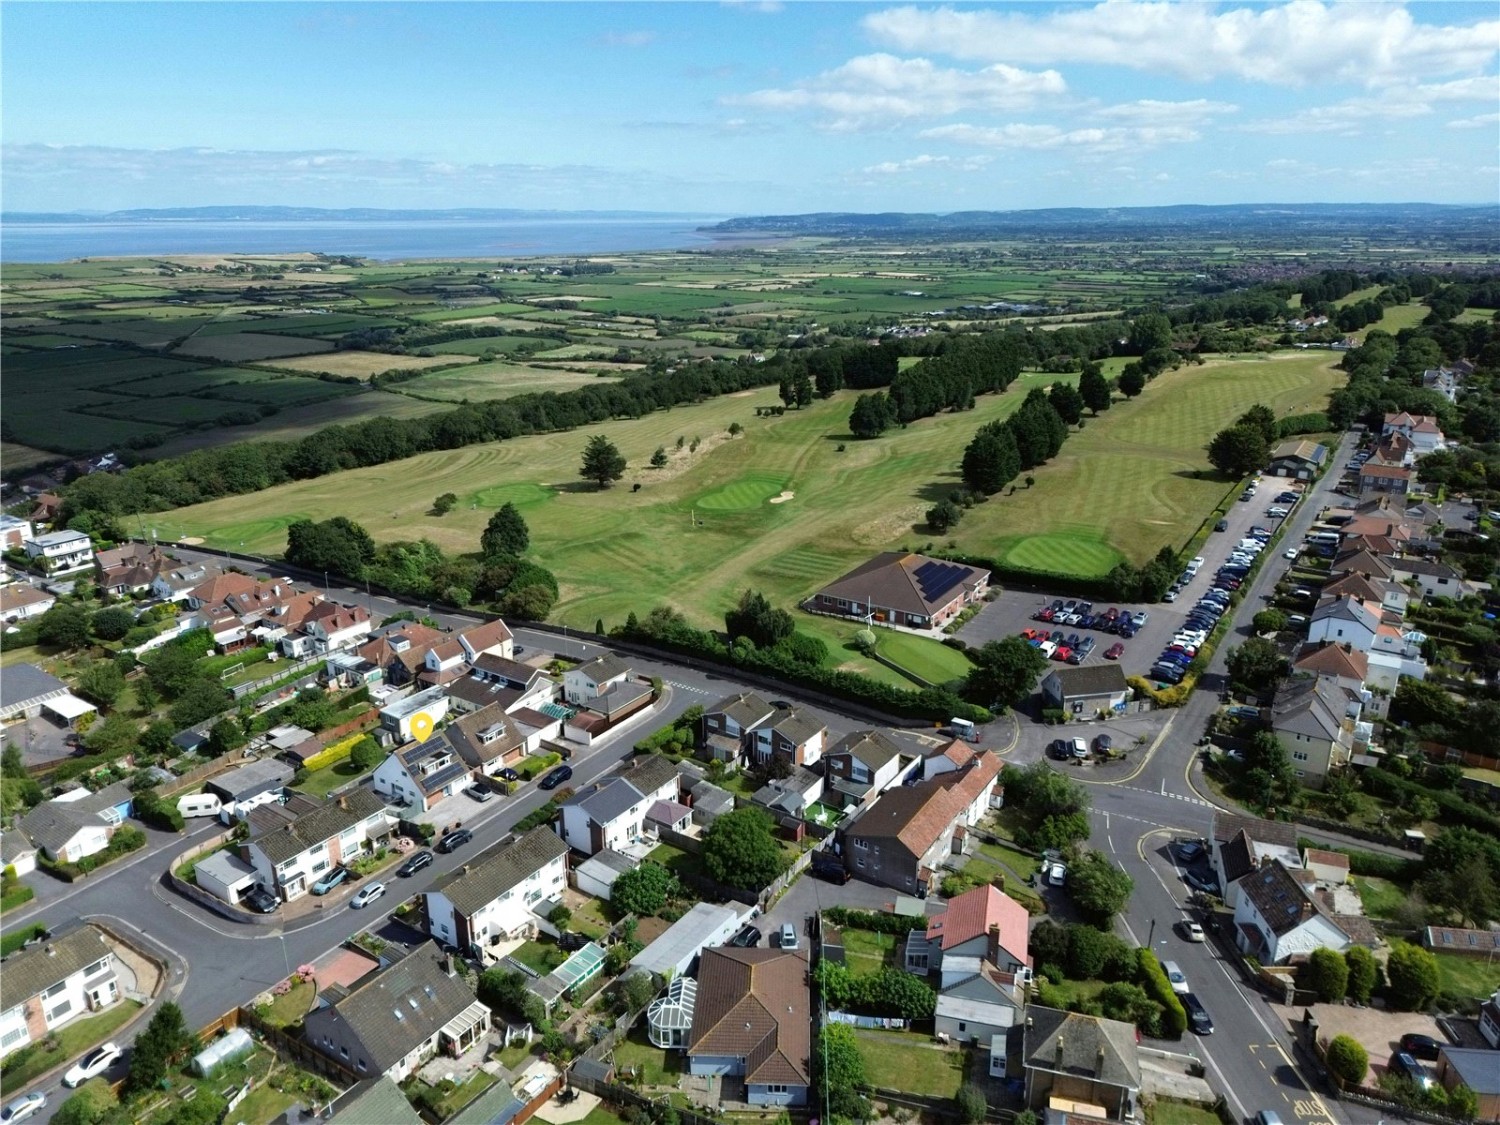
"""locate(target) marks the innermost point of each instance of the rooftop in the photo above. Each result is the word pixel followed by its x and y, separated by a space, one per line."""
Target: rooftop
pixel 685 937
pixel 905 582
pixel 754 1004
pixel 322 823
pixel 500 869
pixel 30 971
pixel 1084 1046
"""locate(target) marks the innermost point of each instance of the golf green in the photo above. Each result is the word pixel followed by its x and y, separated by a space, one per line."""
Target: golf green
pixel 749 491
pixel 1064 554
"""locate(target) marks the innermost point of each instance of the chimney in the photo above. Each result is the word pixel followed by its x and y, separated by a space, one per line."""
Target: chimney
pixel 1099 1061
pixel 343 802
pixel 1059 1050
pixel 448 964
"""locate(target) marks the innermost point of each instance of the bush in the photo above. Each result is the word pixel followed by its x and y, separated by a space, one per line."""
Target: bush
pixel 971 1103
pixel 538 817
pixel 1412 978
pixel 1347 1059
pixel 873 921
pixel 1327 974
pixel 1154 980
pixel 1363 973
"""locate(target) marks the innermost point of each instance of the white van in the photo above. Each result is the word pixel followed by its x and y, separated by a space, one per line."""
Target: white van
pixel 1322 536
pixel 199 804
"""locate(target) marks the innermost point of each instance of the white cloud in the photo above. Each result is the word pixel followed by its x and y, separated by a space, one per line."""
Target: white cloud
pixel 917 163
pixel 1040 137
pixel 881 89
pixel 1304 42
pixel 1151 112
pixel 1482 121
pixel 627 38
pixel 1397 103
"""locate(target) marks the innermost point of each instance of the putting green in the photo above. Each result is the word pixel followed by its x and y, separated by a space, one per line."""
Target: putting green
pixel 1064 554
pixel 521 495
pixel 749 491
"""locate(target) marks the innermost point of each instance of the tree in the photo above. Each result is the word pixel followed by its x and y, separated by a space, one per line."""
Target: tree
pixel 1067 401
pixel 1412 977
pixel 756 618
pixel 1005 672
pixel 366 754
pixel 499 988
pixel 112 623
pixel 943 515
pixel 110 735
pixel 505 534
pixel 1257 664
pixel 839 1072
pixel 1261 418
pixel 644 889
pixel 1099 888
pixel 602 461
pixel 802 390
pixel 638 991
pixel 64 626
pixel 102 682
pixel 1132 380
pixel 1239 451
pixel 165 1042
pixel 89 1106
pixel 659 458
pixel 991 460
pixel 445 503
pixel 971 1103
pixel 1268 621
pixel 872 415
pixel 1094 388
pixel 1149 332
pixel 198 701
pixel 1363 973
pixel 740 851
pixel 1347 1059
pixel 337 545
pixel 1327 974
pixel 224 736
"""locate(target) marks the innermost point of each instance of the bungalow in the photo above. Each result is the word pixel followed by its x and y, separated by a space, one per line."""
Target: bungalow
pixel 585 683
pixel 421 774
pixel 52 983
pixel 901 588
pixel 249 786
pixel 496 679
pixel 983 923
pixel 375 1101
pixel 1084 1060
pixel 1315 719
pixel 25 690
pixel 1300 459
pixel 791 735
pixel 752 1020
pixel 58 551
pixel 492 898
pixel 901 838
pixel 1086 689
pixel 128 569
pixel 395 1019
pixel 48 505
pixel 290 856
pixel 18 601
pixel 1241 844
pixel 489 740
pixel 727 722
pixel 1275 918
pixel 79 823
pixel 1420 429
pixel 864 764
pixel 790 795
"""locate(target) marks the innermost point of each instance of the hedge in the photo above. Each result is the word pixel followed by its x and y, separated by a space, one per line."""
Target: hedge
pixel 152 810
pixel 1387 786
pixel 17 896
pixel 333 752
pixel 12 942
pixel 874 921
pixel 1154 979
pixel 1398 869
pixel 537 818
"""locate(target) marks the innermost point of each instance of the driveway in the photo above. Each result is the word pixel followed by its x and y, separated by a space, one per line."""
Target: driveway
pixel 809 895
pixel 1377 1030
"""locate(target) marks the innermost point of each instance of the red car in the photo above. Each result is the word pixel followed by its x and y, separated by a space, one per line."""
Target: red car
pixel 1044 615
pixel 1111 613
pixel 1114 651
pixel 1031 634
pixel 1062 652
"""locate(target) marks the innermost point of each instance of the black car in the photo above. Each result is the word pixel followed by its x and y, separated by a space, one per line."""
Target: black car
pixel 455 839
pixel 555 777
pixel 508 774
pixel 261 901
pixel 829 869
pixel 1058 748
pixel 418 861
pixel 1420 1046
pixel 1222 525
pixel 1198 1018
pixel 747 938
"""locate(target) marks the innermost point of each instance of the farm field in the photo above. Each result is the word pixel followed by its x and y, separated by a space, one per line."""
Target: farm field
pixel 494 380
pixel 348 405
pixel 362 365
pixel 703 529
pixel 244 347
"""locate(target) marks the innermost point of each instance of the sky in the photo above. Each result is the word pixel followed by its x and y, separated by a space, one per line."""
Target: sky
pixel 770 107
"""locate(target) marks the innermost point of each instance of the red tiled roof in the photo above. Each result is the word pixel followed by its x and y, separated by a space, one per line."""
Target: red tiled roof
pixel 971 915
pixel 754 1004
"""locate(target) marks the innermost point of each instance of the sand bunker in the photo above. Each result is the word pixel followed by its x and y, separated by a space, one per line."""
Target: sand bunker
pixel 191 540
pixel 783 498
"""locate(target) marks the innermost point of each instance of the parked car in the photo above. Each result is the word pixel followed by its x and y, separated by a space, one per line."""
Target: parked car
pixel 1403 1065
pixel 1170 595
pixel 1058 748
pixel 1139 618
pixel 1103 744
pixel 1057 874
pixel 1222 525
pixel 1276 513
pixel 415 863
pixel 1188 850
pixel 1192 931
pixel 1197 1014
pixel 555 777
pixel 1114 651
pixel 455 839
pixel 260 900
pixel 829 869
pixel 367 895
pixel 508 774
pixel 1047 648
pixel 1078 748
pixel 788 938
pixel 27 1105
pixel 1268 1117
pixel 1420 1046
pixel 1208 886
pixel 96 1062
pixel 480 793
pixel 330 880
pixel 747 938
pixel 1061 652
pixel 1175 977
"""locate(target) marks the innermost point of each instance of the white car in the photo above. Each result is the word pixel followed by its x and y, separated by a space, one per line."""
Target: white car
pixel 96 1062
pixel 1289 553
pixel 1276 513
pixel 1192 931
pixel 1047 648
pixel 368 895
pixel 1196 562
pixel 1057 874
pixel 1169 596
pixel 1175 975
pixel 27 1105
pixel 1078 748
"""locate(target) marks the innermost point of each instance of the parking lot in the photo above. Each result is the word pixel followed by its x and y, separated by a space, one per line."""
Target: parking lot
pixel 1014 610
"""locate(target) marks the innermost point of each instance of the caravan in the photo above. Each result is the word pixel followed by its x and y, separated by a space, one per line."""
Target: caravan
pixel 199 804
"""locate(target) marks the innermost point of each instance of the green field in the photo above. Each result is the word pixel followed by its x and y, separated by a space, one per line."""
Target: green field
pixel 482 381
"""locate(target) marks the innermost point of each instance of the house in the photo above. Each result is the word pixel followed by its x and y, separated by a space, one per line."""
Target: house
pixel 58 551
pixel 421 774
pixel 585 683
pixel 48 508
pixel 50 984
pixel 492 897
pixel 216 589
pixel 1489 1019
pixel 1442 380
pixel 608 814
pixel 1356 558
pixel 78 823
pixel 14 532
pixel 675 952
pixel 25 690
pixel 129 568
pixel 1300 459
pixel 981 1004
pixel 395 1019
pixel 289 857
pixel 1387 668
pixel 493 638
pixel 864 764
pixel 1392 479
pixel 955 754
pixel 902 837
pixel 1433 579
pixel 790 795
pixel 17 852
pixel 249 786
pixel 902 588
pixel 1085 1060
pixel 791 735
pixel 727 722
pixel 398 649
pixel 1343 664
pixel 752 1020
pixel 178 583
pixel 497 679
pixel 1325 866
pixel 596 875
pixel 1476 1068
pixel 1420 429
pixel 397 716
pixel 1345 619
pixel 328 627
pixel 983 923
pixel 1086 689
pixel 1387 594
pixel 1315 720
pixel 18 601
pixel 489 740
pixel 1275 918
pixel 225 876
pixel 1240 844
pixel 376 1101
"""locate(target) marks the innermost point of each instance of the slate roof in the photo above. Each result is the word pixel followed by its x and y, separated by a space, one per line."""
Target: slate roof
pixel 606 860
pixel 918 814
pixel 1428 567
pixel 1313 707
pixel 608 802
pixel 868 746
pixel 13 845
pixel 889 581
pixel 602 668
pixel 794 725
pixel 500 869
pixel 30 971
pixel 1477 1068
pixel 1279 897
pixel 482 693
pixel 251 780
pixel 754 1004
pixel 746 709
pixel 649 772
pixel 1277 833
pixel 319 824
pixel 53 823
pixel 667 812
pixel 1070 1043
pixel 971 915
pixel 481 737
pixel 426 997
pixel 493 664
pixel 1356 586
pixel 23 683
pixel 1090 679
pixel 375 1101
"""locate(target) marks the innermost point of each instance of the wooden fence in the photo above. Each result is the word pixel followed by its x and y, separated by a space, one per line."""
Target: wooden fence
pixel 297 1050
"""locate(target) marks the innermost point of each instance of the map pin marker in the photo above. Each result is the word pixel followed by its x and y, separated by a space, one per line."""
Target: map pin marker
pixel 421 726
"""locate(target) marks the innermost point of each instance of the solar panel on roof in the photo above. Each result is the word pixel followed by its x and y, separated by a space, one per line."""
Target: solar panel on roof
pixel 934 579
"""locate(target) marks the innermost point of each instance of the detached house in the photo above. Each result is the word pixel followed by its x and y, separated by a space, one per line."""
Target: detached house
pixel 1275 918
pixel 727 723
pixel 1071 1057
pixel 53 983
pixel 901 588
pixel 398 650
pixel 1317 721
pixel 603 686
pixel 489 740
pixel 178 583
pixel 611 813
pixel 1419 429
pixel 984 923
pixel 78 823
pixel 492 898
pixel 60 551
pixel 498 680
pixel 901 838
pixel 129 568
pixel 791 735
pixel 1241 844
pixel 289 857
pixel 585 683
pixel 397 1018
pixel 422 773
pixel 864 764
pixel 1393 479
pixel 752 1020
pixel 18 601
pixel 396 716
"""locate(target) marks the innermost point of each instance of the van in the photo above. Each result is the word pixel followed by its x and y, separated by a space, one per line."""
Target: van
pixel 788 936
pixel 1322 536
pixel 199 804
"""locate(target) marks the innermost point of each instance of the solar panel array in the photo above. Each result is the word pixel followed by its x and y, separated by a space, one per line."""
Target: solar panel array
pixel 934 579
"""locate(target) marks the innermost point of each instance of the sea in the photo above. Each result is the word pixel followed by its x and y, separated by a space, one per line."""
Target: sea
pixel 376 239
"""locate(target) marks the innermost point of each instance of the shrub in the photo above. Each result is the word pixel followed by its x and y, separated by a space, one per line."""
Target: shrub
pixel 1363 973
pixel 1347 1059
pixel 971 1103
pixel 1327 974
pixel 1412 978
pixel 873 921
pixel 1154 980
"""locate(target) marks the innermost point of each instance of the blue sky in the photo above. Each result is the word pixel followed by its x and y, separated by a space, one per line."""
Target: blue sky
pixel 753 107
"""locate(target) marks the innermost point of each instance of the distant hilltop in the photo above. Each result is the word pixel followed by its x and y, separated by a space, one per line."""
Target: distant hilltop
pixel 340 215
pixel 1326 217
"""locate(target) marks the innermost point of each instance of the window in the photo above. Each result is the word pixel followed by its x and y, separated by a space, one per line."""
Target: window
pixel 859 861
pixel 60 986
pixel 344 1051
pixel 861 844
pixel 962 1027
pixel 774 1089
pixel 13 1036
pixel 1299 755
pixel 61 1010
pixel 917 961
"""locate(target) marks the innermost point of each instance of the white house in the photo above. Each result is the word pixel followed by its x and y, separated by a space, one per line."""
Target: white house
pixel 290 856
pixel 983 1003
pixel 396 716
pixel 492 898
pixel 1239 845
pixel 1275 919
pixel 585 683
pixel 14 532
pixel 865 763
pixel 18 601
pixel 1346 620
pixel 61 550
pixel 752 1019
pixel 611 813
pixel 1433 579
pixel 53 983
pixel 177 584
pixel 421 774
pixel 1419 429
pixel 78 823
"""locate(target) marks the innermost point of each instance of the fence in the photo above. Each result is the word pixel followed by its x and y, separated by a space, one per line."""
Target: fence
pixel 298 1050
pixel 629 1099
pixel 873 1023
pixel 239 691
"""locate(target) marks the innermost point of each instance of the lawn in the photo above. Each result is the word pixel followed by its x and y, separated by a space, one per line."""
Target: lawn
pixel 1380 897
pixel 1468 976
pixel 542 958
pixel 72 1040
pixel 1018 863
pixel 602 1114
pixel 289 1009
pixel 676 860
pixel 1163 1112
pixel 321 782
pixel 591 918
pixel 866 952
pixel 658 1067
pixel 932 660
pixel 908 1061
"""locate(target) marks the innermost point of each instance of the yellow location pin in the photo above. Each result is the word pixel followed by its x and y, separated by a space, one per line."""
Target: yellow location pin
pixel 421 726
